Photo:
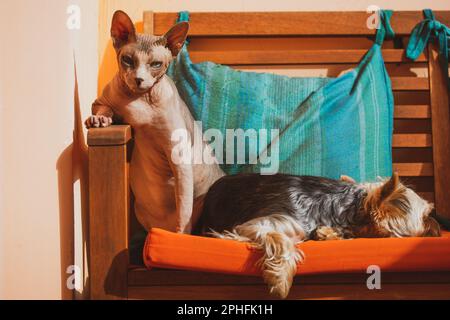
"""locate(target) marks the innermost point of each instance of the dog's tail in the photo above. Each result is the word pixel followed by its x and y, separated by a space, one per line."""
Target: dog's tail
pixel 279 262
pixel 277 236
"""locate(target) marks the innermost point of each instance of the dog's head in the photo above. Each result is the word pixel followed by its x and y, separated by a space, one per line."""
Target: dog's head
pixel 397 211
pixel 142 58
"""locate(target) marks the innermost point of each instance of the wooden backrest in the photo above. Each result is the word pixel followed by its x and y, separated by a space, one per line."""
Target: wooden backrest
pixel 326 43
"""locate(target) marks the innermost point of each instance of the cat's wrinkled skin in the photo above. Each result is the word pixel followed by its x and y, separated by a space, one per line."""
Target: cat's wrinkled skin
pixel 142 95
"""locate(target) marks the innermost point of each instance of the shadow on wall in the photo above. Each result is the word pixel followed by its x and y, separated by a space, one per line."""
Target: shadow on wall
pixel 72 167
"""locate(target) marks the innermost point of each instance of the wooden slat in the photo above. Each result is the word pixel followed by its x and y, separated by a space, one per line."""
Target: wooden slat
pixel 111 136
pixel 412 126
pixel 429 196
pixel 409 83
pixel 289 23
pixel 412 140
pixel 286 57
pixel 412 112
pixel 411 97
pixel 408 155
pixel 440 110
pixel 413 169
pixel 333 69
pixel 140 277
pixel 282 43
pixel 148 22
pixel 299 292
pixel 419 183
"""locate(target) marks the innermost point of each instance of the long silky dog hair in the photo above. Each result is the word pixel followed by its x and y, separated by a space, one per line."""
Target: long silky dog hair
pixel 277 212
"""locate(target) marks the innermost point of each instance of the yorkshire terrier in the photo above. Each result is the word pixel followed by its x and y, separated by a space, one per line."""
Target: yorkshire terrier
pixel 277 212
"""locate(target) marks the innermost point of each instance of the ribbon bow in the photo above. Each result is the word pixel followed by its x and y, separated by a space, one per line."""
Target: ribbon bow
pixel 428 29
pixel 385 29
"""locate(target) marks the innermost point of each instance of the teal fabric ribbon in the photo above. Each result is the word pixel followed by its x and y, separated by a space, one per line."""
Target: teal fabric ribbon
pixel 183 16
pixel 385 29
pixel 423 32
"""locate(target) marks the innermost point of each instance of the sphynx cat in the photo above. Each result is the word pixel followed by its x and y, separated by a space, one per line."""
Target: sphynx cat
pixel 141 94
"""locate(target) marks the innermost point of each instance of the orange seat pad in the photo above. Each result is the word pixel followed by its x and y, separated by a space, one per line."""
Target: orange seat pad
pixel 168 250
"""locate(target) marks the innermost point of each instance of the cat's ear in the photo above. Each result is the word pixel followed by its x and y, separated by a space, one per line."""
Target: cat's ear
pixel 122 30
pixel 176 37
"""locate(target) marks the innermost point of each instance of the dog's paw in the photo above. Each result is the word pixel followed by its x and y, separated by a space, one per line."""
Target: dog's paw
pixel 279 284
pixel 98 122
pixel 328 233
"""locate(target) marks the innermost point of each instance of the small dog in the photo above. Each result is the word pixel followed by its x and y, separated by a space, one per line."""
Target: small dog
pixel 168 193
pixel 277 212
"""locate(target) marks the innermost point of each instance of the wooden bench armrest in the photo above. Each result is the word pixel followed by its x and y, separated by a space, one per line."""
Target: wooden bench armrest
pixel 111 136
pixel 109 207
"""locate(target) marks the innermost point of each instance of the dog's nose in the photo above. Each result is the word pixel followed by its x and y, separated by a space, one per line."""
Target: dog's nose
pixel 139 81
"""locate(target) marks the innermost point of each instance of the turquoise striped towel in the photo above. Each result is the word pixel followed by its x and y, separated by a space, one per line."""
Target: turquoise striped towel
pixel 327 126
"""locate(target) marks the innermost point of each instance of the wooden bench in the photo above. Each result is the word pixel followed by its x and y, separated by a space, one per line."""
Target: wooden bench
pixel 285 43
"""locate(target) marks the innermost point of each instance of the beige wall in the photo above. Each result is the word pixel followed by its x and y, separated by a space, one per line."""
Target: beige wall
pixel 37 193
pixel 36 124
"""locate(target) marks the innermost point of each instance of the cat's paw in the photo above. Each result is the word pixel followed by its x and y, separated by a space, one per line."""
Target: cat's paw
pixel 184 230
pixel 98 122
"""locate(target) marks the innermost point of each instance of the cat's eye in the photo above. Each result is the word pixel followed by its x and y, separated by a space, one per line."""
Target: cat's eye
pixel 156 64
pixel 127 61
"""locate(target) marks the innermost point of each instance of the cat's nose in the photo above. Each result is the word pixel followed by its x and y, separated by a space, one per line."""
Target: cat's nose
pixel 139 81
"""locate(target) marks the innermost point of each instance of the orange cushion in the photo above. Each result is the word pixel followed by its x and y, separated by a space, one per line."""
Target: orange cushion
pixel 164 249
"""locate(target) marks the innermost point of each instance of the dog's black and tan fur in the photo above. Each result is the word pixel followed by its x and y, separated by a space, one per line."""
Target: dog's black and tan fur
pixel 276 212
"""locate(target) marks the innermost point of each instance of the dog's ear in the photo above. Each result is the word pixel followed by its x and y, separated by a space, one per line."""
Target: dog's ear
pixel 348 179
pixel 432 228
pixel 176 37
pixel 389 187
pixel 122 30
pixel 380 201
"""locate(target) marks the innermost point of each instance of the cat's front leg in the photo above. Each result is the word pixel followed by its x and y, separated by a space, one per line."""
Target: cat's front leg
pixel 184 193
pixel 102 117
pixel 183 173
